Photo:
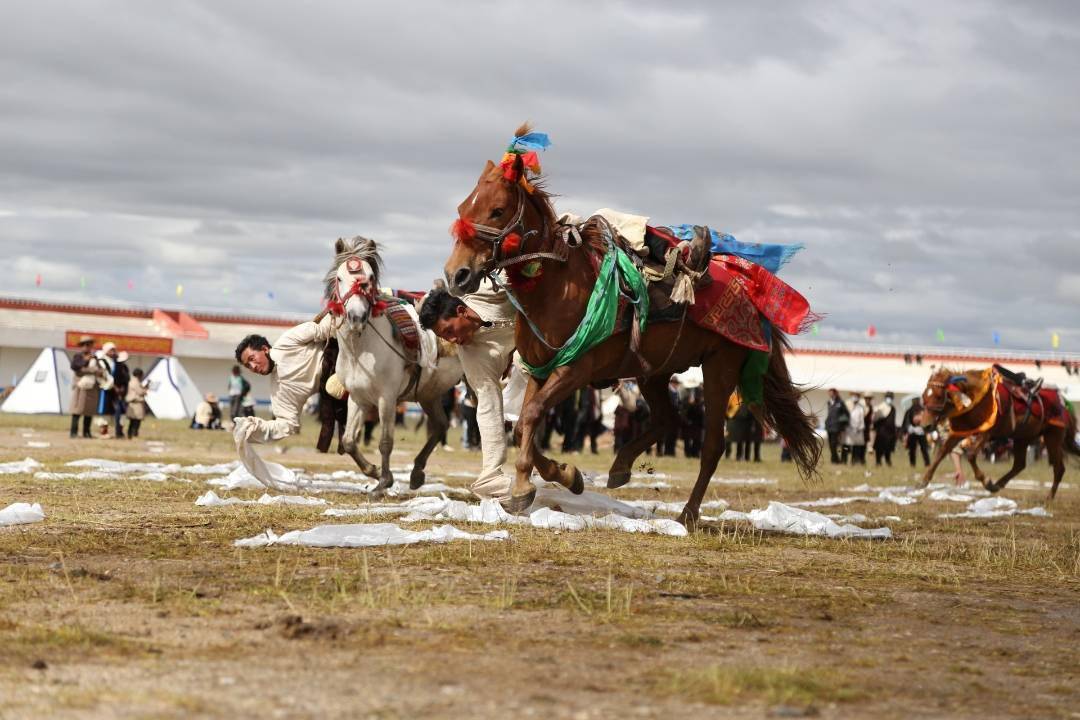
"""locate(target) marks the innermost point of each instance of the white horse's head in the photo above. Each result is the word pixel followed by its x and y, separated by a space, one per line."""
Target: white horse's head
pixel 353 283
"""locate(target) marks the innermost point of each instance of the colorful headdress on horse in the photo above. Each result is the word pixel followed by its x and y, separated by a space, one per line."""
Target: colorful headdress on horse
pixel 524 146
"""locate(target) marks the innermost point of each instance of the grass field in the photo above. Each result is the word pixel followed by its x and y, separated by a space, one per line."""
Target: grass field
pixel 130 601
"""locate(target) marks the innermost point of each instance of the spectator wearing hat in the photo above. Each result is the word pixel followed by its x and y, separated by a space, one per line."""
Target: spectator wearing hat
pixel 84 394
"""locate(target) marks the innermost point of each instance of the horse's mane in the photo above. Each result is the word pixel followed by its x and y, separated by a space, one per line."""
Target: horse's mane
pixel 591 234
pixel 358 247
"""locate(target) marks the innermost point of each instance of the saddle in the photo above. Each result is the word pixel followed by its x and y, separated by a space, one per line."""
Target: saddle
pixel 1046 405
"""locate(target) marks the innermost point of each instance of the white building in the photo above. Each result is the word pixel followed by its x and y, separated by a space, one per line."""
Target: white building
pixel 203 342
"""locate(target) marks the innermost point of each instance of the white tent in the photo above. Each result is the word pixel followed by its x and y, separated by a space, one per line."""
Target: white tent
pixel 45 387
pixel 171 394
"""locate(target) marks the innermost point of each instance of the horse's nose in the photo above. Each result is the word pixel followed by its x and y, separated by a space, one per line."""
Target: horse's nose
pixel 461 278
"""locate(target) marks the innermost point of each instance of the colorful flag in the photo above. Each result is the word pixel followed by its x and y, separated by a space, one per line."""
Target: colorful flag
pixel 82 282
pixel 37 280
pixel 940 335
pixel 814 329
pixel 1055 341
pixel 179 290
pixel 871 331
pixel 997 338
pixel 131 284
pixel 270 294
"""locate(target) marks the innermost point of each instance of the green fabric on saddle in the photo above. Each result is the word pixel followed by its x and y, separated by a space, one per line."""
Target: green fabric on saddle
pixel 752 377
pixel 601 311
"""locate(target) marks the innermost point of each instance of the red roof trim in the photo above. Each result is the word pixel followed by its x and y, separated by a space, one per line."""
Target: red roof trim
pixel 138 313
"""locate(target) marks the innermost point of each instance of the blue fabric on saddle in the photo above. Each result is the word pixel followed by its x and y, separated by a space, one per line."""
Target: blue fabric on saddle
pixel 769 256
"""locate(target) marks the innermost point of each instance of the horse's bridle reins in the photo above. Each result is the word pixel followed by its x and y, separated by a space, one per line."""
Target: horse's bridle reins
pixel 495 236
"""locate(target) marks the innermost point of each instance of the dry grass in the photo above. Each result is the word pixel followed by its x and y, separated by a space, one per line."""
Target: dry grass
pixel 126 578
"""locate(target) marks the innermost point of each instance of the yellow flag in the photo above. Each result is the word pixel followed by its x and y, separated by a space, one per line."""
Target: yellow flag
pixel 1055 341
pixel 179 290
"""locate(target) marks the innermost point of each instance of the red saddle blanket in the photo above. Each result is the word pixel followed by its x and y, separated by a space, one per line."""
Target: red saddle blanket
pixel 1051 407
pixel 740 293
pixel 403 325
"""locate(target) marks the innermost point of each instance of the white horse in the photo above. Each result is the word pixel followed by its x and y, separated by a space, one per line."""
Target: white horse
pixel 374 365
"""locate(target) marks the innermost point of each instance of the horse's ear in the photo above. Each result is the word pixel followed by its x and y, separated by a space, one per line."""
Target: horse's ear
pixel 491 172
pixel 339 246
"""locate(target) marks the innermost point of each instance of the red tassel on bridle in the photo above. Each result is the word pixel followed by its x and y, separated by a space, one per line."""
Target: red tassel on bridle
pixel 462 230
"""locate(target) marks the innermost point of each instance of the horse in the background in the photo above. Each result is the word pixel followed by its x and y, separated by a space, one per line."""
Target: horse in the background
pixel 385 357
pixel 984 405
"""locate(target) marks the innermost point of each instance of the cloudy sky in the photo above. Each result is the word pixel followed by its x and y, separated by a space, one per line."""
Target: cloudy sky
pixel 928 158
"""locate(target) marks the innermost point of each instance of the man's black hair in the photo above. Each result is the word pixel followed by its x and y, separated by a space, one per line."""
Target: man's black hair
pixel 253 341
pixel 439 305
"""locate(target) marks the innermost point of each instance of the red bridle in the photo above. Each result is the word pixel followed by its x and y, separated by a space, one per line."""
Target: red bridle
pixel 361 285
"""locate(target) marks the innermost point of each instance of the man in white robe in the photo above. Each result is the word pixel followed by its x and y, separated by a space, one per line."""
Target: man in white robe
pixel 482 325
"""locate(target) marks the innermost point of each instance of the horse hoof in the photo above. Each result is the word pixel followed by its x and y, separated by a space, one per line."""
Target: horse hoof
pixel 578 486
pixel 416 479
pixel 993 488
pixel 688 520
pixel 617 479
pixel 371 470
pixel 517 504
pixel 384 483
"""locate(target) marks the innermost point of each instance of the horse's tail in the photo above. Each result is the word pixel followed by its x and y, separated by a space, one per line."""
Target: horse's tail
pixel 783 412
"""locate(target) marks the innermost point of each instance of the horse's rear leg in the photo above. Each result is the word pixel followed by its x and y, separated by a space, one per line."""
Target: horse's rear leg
pixel 720 379
pixel 350 443
pixel 1055 448
pixel 655 392
pixel 1019 463
pixel 437 423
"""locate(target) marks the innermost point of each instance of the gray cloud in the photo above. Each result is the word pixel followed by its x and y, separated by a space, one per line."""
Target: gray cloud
pixel 924 154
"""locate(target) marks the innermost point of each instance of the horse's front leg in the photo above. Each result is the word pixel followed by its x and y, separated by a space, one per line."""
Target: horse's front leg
pixel 564 381
pixel 942 452
pixel 387 412
pixel 354 425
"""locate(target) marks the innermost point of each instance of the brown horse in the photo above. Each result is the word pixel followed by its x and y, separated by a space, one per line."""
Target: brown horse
pixel 978 403
pixel 552 303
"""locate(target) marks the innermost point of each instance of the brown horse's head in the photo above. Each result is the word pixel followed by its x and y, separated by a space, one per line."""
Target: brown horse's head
pixel 502 214
pixel 947 393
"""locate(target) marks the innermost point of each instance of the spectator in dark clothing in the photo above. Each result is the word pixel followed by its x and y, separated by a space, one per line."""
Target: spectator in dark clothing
pixel 884 421
pixel 836 422
pixel 333 410
pixel 116 399
pixel 671 436
pixel 915 434
pixel 449 402
pixel 694 429
pixel 589 422
pixel 741 428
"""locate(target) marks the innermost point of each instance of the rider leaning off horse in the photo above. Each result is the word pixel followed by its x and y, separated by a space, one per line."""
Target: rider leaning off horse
pixel 294 365
pixel 482 325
